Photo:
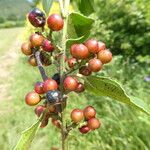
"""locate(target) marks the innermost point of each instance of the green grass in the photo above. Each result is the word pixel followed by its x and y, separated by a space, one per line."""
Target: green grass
pixel 122 127
pixel 8 37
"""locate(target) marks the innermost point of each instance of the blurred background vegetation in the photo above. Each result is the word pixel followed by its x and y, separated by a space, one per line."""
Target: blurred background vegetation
pixel 125 27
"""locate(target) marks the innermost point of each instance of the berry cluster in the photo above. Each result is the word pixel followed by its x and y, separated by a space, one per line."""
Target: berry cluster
pixel 83 59
pixel 88 116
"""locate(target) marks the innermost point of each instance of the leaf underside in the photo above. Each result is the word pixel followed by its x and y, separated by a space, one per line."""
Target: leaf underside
pixel 27 137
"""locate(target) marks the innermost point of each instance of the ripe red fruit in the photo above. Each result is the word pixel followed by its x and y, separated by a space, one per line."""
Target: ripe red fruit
pixel 94 123
pixel 101 46
pixel 38 87
pixel 105 56
pixel 89 112
pixel 70 83
pixel 32 61
pixel 39 110
pixel 37 17
pixel 77 115
pixel 80 88
pixel 55 22
pixel 85 70
pixel 26 48
pixel 56 123
pixel 84 129
pixel 71 62
pixel 32 98
pixel 47 46
pixel 95 65
pixel 79 51
pixel 36 39
pixel 92 46
pixel 49 85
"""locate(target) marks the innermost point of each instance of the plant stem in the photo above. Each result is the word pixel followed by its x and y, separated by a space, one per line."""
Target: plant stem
pixel 64 11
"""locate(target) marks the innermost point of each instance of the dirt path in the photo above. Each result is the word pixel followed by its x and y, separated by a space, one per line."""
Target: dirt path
pixel 7 61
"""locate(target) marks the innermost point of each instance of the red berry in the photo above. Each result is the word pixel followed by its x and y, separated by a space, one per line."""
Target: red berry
pixel 101 46
pixel 26 48
pixel 49 85
pixel 39 110
pixel 55 22
pixel 32 61
pixel 72 50
pixel 95 65
pixel 84 129
pixel 36 39
pixel 47 46
pixel 79 51
pixel 92 46
pixel 56 123
pixel 38 87
pixel 85 70
pixel 72 62
pixel 94 123
pixel 89 112
pixel 32 98
pixel 70 83
pixel 80 88
pixel 105 56
pixel 77 115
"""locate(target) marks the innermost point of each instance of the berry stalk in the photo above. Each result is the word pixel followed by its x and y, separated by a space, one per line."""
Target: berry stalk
pixel 64 11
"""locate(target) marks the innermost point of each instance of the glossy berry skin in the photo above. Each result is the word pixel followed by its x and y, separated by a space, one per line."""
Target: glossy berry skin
pixel 36 39
pixel 32 61
pixel 38 88
pixel 101 46
pixel 85 70
pixel 71 62
pixel 56 77
pixel 79 51
pixel 104 56
pixel 84 129
pixel 89 112
pixel 32 98
pixel 55 22
pixel 92 46
pixel 70 83
pixel 53 96
pixel 50 84
pixel 80 88
pixel 47 46
pixel 39 110
pixel 26 48
pixel 56 123
pixel 37 17
pixel 77 115
pixel 95 65
pixel 93 123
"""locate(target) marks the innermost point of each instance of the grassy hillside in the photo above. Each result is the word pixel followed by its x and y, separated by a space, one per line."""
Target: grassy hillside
pixel 14 9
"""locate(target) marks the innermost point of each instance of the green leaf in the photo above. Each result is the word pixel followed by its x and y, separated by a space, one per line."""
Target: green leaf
pixel 103 86
pixel 47 5
pixel 27 137
pixel 79 27
pixel 86 7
